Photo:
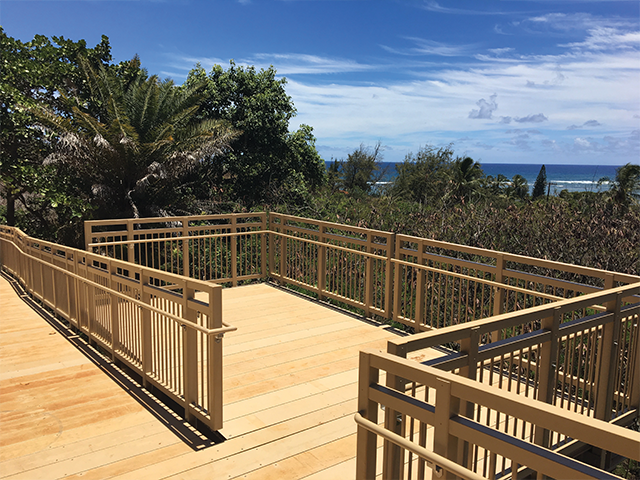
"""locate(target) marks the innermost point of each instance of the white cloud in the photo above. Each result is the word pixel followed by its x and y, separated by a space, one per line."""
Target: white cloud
pixel 604 38
pixel 431 47
pixel 537 118
pixel 486 108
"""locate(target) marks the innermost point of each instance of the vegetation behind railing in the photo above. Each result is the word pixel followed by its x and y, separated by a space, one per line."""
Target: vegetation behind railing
pixel 147 319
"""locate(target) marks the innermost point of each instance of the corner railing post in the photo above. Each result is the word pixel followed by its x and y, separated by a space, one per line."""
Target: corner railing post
pixel 469 346
pixel 88 237
pixel 189 353
pixel 608 344
pixel 446 407
pixel 420 280
pixel 366 440
pixel 214 359
pixel 397 287
pixel 263 246
pixel 547 358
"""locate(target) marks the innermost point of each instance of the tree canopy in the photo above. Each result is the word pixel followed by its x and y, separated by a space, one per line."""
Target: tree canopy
pixel 34 73
pixel 143 136
pixel 265 154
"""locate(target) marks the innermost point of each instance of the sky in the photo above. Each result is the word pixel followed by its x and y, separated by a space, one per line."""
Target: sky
pixel 510 81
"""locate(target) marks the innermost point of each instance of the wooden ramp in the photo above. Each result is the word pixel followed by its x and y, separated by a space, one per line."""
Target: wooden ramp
pixel 290 395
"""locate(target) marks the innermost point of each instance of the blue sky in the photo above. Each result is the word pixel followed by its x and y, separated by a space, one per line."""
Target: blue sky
pixel 504 81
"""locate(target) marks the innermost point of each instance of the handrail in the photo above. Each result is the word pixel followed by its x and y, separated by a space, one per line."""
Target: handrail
pixel 505 320
pixel 477 279
pixel 180 320
pixel 434 461
pixel 163 335
pixel 170 239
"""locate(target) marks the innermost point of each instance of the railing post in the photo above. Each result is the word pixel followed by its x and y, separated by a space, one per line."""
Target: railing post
pixel 272 247
pixel 131 254
pixel 189 354
pixel 283 250
pixel 499 295
pixel 367 441
pixel 634 394
pixel 186 261
pixel 214 360
pixel 393 458
pixel 322 263
pixel 389 284
pixel 145 329
pixel 446 406
pixel 113 301
pixel 87 236
pixel 469 346
pixel 547 358
pixel 233 241
pixel 608 350
pixel 263 246
pixel 420 290
pixel 397 290
pixel 368 278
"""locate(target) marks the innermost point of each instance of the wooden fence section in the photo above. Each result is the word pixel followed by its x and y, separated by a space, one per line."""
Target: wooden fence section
pixel 565 354
pixel 418 282
pixel 432 430
pixel 145 318
pixel 348 264
pixel 219 248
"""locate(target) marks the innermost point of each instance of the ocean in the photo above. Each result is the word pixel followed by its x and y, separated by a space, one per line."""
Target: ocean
pixel 574 178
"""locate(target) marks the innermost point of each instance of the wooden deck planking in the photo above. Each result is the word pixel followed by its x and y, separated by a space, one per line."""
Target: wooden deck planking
pixel 290 395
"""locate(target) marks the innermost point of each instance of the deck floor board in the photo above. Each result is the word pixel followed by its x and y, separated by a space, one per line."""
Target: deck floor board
pixel 290 395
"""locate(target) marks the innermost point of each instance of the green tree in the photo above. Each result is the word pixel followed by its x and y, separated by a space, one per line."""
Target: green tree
pixel 265 153
pixel 625 189
pixel 519 187
pixel 540 185
pixel 466 179
pixel 34 73
pixel 424 177
pixel 361 170
pixel 136 138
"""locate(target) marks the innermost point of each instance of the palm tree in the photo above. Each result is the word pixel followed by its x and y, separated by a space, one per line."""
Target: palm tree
pixel 625 189
pixel 138 132
pixel 519 187
pixel 466 176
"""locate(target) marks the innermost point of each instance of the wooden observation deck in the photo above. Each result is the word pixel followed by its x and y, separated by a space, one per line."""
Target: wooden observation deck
pixel 129 360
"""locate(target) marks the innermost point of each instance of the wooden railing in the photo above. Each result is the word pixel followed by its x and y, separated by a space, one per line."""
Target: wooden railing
pixel 219 248
pixel 418 282
pixel 563 355
pixel 429 422
pixel 144 318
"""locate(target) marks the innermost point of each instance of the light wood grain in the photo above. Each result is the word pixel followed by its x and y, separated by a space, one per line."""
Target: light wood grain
pixel 290 394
